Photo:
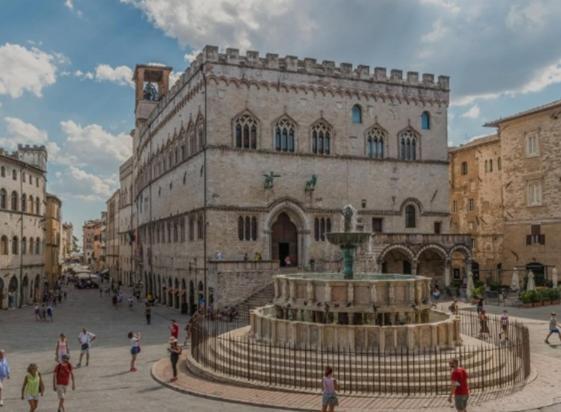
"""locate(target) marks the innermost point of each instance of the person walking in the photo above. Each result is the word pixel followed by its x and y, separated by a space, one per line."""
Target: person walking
pixel 459 389
pixel 504 325
pixel 50 312
pixel 36 310
pixel 553 327
pixel 61 379
pixel 135 348
pixel 148 313
pixel 85 338
pixel 174 353
pixel 483 325
pixel 4 374
pixel 329 398
pixel 32 387
pixel 480 305
pixel 62 348
pixel 174 329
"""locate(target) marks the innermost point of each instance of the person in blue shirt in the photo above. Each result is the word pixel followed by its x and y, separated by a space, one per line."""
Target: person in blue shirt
pixel 4 373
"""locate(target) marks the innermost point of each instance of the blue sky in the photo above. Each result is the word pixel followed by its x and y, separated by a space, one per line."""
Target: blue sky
pixel 66 65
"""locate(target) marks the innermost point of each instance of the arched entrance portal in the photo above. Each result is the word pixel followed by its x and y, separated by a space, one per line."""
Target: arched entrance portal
pixel 24 290
pixel 13 292
pixel 397 260
pixel 37 288
pixel 431 262
pixel 2 293
pixel 285 241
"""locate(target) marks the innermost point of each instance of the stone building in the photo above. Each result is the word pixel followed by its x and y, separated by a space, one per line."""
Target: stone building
pixel 245 164
pixel 22 210
pixel 476 202
pixel 125 232
pixel 112 236
pixel 67 240
pixel 53 243
pixel 93 238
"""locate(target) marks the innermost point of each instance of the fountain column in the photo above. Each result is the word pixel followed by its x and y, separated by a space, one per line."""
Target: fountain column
pixel 447 273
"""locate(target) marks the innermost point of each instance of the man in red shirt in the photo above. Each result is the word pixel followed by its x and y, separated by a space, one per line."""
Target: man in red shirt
pixel 174 329
pixel 61 379
pixel 459 388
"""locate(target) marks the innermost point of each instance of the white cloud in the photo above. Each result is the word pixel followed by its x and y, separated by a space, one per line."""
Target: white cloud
pixel 542 78
pixel 438 32
pixel 448 5
pixel 69 4
pixel 82 185
pixel 190 57
pixel 121 75
pixel 472 113
pixel 94 146
pixel 26 70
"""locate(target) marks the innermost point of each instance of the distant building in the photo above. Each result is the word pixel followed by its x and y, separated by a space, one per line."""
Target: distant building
pixel 22 225
pixel 53 239
pixel 93 238
pixel 112 236
pixel 67 240
pixel 125 231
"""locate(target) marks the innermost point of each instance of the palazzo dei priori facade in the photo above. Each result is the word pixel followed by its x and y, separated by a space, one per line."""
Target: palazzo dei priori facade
pixel 245 163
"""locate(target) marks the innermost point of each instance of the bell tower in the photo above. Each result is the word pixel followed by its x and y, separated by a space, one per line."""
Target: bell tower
pixel 151 84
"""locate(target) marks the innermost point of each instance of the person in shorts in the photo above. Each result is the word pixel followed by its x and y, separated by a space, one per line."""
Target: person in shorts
pixel 61 379
pixel 32 387
pixel 459 389
pixel 504 325
pixel 553 327
pixel 135 348
pixel 4 373
pixel 329 397
pixel 85 338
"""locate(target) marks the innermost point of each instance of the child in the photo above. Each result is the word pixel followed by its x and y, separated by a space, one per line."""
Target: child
pixel 32 387
pixel 61 378
pixel 552 327
pixel 135 348
pixel 329 399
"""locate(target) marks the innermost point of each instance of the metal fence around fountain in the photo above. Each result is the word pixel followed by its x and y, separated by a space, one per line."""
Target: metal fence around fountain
pixel 500 360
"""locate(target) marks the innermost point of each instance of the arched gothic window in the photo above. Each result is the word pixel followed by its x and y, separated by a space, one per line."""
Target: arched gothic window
pixel 200 132
pixel 376 143
pixel 15 241
pixel 192 139
pixel 37 206
pixel 425 121
pixel 3 199
pixel 322 225
pixel 247 228
pixel 4 245
pixel 321 138
pixel 14 174
pixel 357 114
pixel 31 204
pixel 23 246
pixel 37 246
pixel 24 202
pixel 200 227
pixel 245 131
pixel 284 135
pixel 407 145
pixel 410 216
pixel 14 200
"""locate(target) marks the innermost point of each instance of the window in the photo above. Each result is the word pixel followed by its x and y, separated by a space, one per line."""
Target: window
pixel 377 225
pixel 534 194
pixel 31 204
pixel 490 165
pixel 284 135
pixel 425 121
pixel 14 201
pixel 321 138
pixel 37 246
pixel 535 236
pixel 14 174
pixel 357 114
pixel 24 202
pixel 169 232
pixel 464 168
pixel 175 232
pixel 200 132
pixel 247 228
pixel 4 245
pixel 37 182
pixel 532 148
pixel 471 204
pixel 191 228
pixel 437 227
pixel 375 142
pixel 23 177
pixel 37 206
pixel 200 227
pixel 182 229
pixel 245 131
pixel 3 197
pixel 15 245
pixel 410 216
pixel 407 145
pixel 23 246
pixel 322 225
pixel 498 163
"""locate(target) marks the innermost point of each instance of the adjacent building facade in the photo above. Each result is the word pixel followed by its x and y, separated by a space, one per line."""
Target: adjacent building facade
pixel 22 225
pixel 246 163
pixel 53 243
pixel 125 225
pixel 67 240
pixel 93 237
pixel 112 236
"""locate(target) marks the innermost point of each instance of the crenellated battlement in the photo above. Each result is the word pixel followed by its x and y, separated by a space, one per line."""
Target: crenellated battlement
pixel 310 65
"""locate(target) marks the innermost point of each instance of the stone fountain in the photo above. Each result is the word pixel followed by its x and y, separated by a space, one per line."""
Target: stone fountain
pixel 363 311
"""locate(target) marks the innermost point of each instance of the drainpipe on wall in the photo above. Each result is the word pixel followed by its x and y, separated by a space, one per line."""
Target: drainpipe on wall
pixel 205 200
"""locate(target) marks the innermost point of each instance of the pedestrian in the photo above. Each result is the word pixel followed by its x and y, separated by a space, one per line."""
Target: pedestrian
pixel 148 313
pixel 483 324
pixel 479 305
pixel 36 310
pixel 453 308
pixel 61 379
pixel 459 389
pixel 130 301
pixel 100 292
pixel 553 327
pixel 135 348
pixel 174 353
pixel 65 295
pixel 50 312
pixel 62 348
pixel 59 295
pixel 329 399
pixel 4 373
pixel 85 338
pixel 174 329
pixel 436 293
pixel 32 387
pixel 504 325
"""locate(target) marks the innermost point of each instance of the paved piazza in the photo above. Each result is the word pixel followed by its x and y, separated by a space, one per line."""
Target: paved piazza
pixel 106 385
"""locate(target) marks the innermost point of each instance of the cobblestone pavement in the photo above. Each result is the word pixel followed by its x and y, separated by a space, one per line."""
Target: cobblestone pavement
pixel 106 385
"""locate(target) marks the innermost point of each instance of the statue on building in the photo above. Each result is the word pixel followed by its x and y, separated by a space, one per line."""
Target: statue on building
pixel 150 92
pixel 269 180
pixel 311 184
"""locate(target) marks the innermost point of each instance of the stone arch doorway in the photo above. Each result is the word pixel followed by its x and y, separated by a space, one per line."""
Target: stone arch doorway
pixel 13 292
pixel 431 262
pixel 284 241
pixel 37 288
pixel 396 259
pixel 24 290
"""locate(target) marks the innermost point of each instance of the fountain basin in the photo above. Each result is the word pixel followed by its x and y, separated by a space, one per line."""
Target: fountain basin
pixel 347 239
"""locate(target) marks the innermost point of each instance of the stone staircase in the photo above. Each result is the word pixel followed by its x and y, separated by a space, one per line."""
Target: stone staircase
pixel 260 298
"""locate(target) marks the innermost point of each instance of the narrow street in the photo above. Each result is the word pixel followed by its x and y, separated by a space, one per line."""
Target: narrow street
pixel 107 384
